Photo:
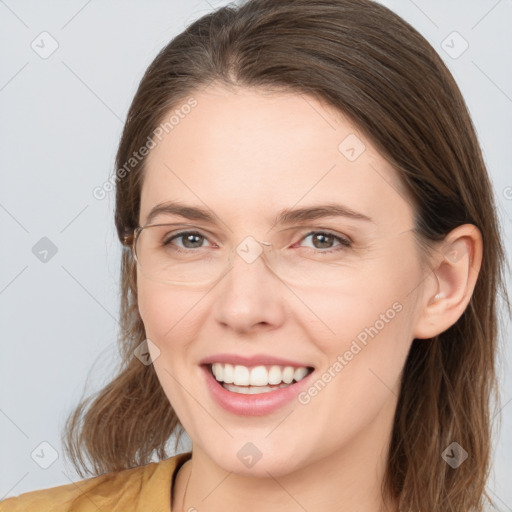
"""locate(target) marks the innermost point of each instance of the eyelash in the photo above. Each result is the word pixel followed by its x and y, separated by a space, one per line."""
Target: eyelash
pixel 345 243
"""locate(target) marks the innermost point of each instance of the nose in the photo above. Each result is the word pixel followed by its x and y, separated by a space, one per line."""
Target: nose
pixel 249 296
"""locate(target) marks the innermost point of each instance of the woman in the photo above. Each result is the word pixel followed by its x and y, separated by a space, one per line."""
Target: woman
pixel 310 277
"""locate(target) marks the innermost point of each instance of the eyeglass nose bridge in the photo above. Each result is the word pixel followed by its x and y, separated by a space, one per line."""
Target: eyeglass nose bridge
pixel 250 249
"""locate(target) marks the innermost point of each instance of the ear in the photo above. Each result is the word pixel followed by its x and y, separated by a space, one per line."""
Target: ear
pixel 449 286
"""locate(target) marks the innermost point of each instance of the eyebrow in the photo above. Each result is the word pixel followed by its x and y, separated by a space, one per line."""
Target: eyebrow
pixel 287 216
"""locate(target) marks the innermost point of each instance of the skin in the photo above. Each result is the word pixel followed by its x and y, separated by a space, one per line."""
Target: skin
pixel 246 155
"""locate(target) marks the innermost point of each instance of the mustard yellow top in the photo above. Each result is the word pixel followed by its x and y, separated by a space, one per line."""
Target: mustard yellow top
pixel 142 489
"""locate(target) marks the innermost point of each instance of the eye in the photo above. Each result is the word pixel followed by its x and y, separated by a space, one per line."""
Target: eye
pixel 324 240
pixel 190 239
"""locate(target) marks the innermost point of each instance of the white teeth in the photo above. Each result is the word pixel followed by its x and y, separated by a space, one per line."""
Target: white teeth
pixel 288 374
pixel 217 370
pixel 257 375
pixel 300 373
pixel 228 374
pixel 275 375
pixel 241 376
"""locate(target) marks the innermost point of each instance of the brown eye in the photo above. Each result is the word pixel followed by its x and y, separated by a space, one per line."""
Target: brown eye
pixel 324 240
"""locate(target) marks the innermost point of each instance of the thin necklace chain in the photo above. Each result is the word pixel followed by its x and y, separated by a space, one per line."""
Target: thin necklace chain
pixel 185 493
pixel 186 488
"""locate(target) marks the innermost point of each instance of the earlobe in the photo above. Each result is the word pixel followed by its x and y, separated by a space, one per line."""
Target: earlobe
pixel 455 276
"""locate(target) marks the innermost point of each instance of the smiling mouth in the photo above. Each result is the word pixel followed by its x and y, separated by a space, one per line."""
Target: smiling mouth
pixel 251 380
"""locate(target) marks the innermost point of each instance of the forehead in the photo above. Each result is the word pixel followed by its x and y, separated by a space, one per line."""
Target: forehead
pixel 249 152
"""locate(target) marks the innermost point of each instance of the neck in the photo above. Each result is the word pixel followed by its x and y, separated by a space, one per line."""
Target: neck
pixel 348 480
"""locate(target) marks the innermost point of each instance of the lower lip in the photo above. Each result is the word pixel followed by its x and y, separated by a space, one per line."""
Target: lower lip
pixel 253 405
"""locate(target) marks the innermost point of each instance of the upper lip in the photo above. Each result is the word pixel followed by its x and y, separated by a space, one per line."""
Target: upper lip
pixel 254 360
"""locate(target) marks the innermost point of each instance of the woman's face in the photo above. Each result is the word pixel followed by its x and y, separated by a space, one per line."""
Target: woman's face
pixel 247 156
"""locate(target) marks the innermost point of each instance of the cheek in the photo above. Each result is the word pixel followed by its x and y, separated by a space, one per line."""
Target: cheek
pixel 362 366
pixel 152 309
pixel 167 317
pixel 162 309
pixel 365 331
pixel 370 341
pixel 374 302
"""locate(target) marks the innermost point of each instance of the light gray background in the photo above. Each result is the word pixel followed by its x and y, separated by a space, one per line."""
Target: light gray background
pixel 61 119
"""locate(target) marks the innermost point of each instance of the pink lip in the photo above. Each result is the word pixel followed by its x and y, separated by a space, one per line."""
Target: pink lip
pixel 255 360
pixel 253 405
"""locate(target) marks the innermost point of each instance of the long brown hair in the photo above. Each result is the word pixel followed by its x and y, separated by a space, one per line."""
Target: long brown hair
pixel 376 69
